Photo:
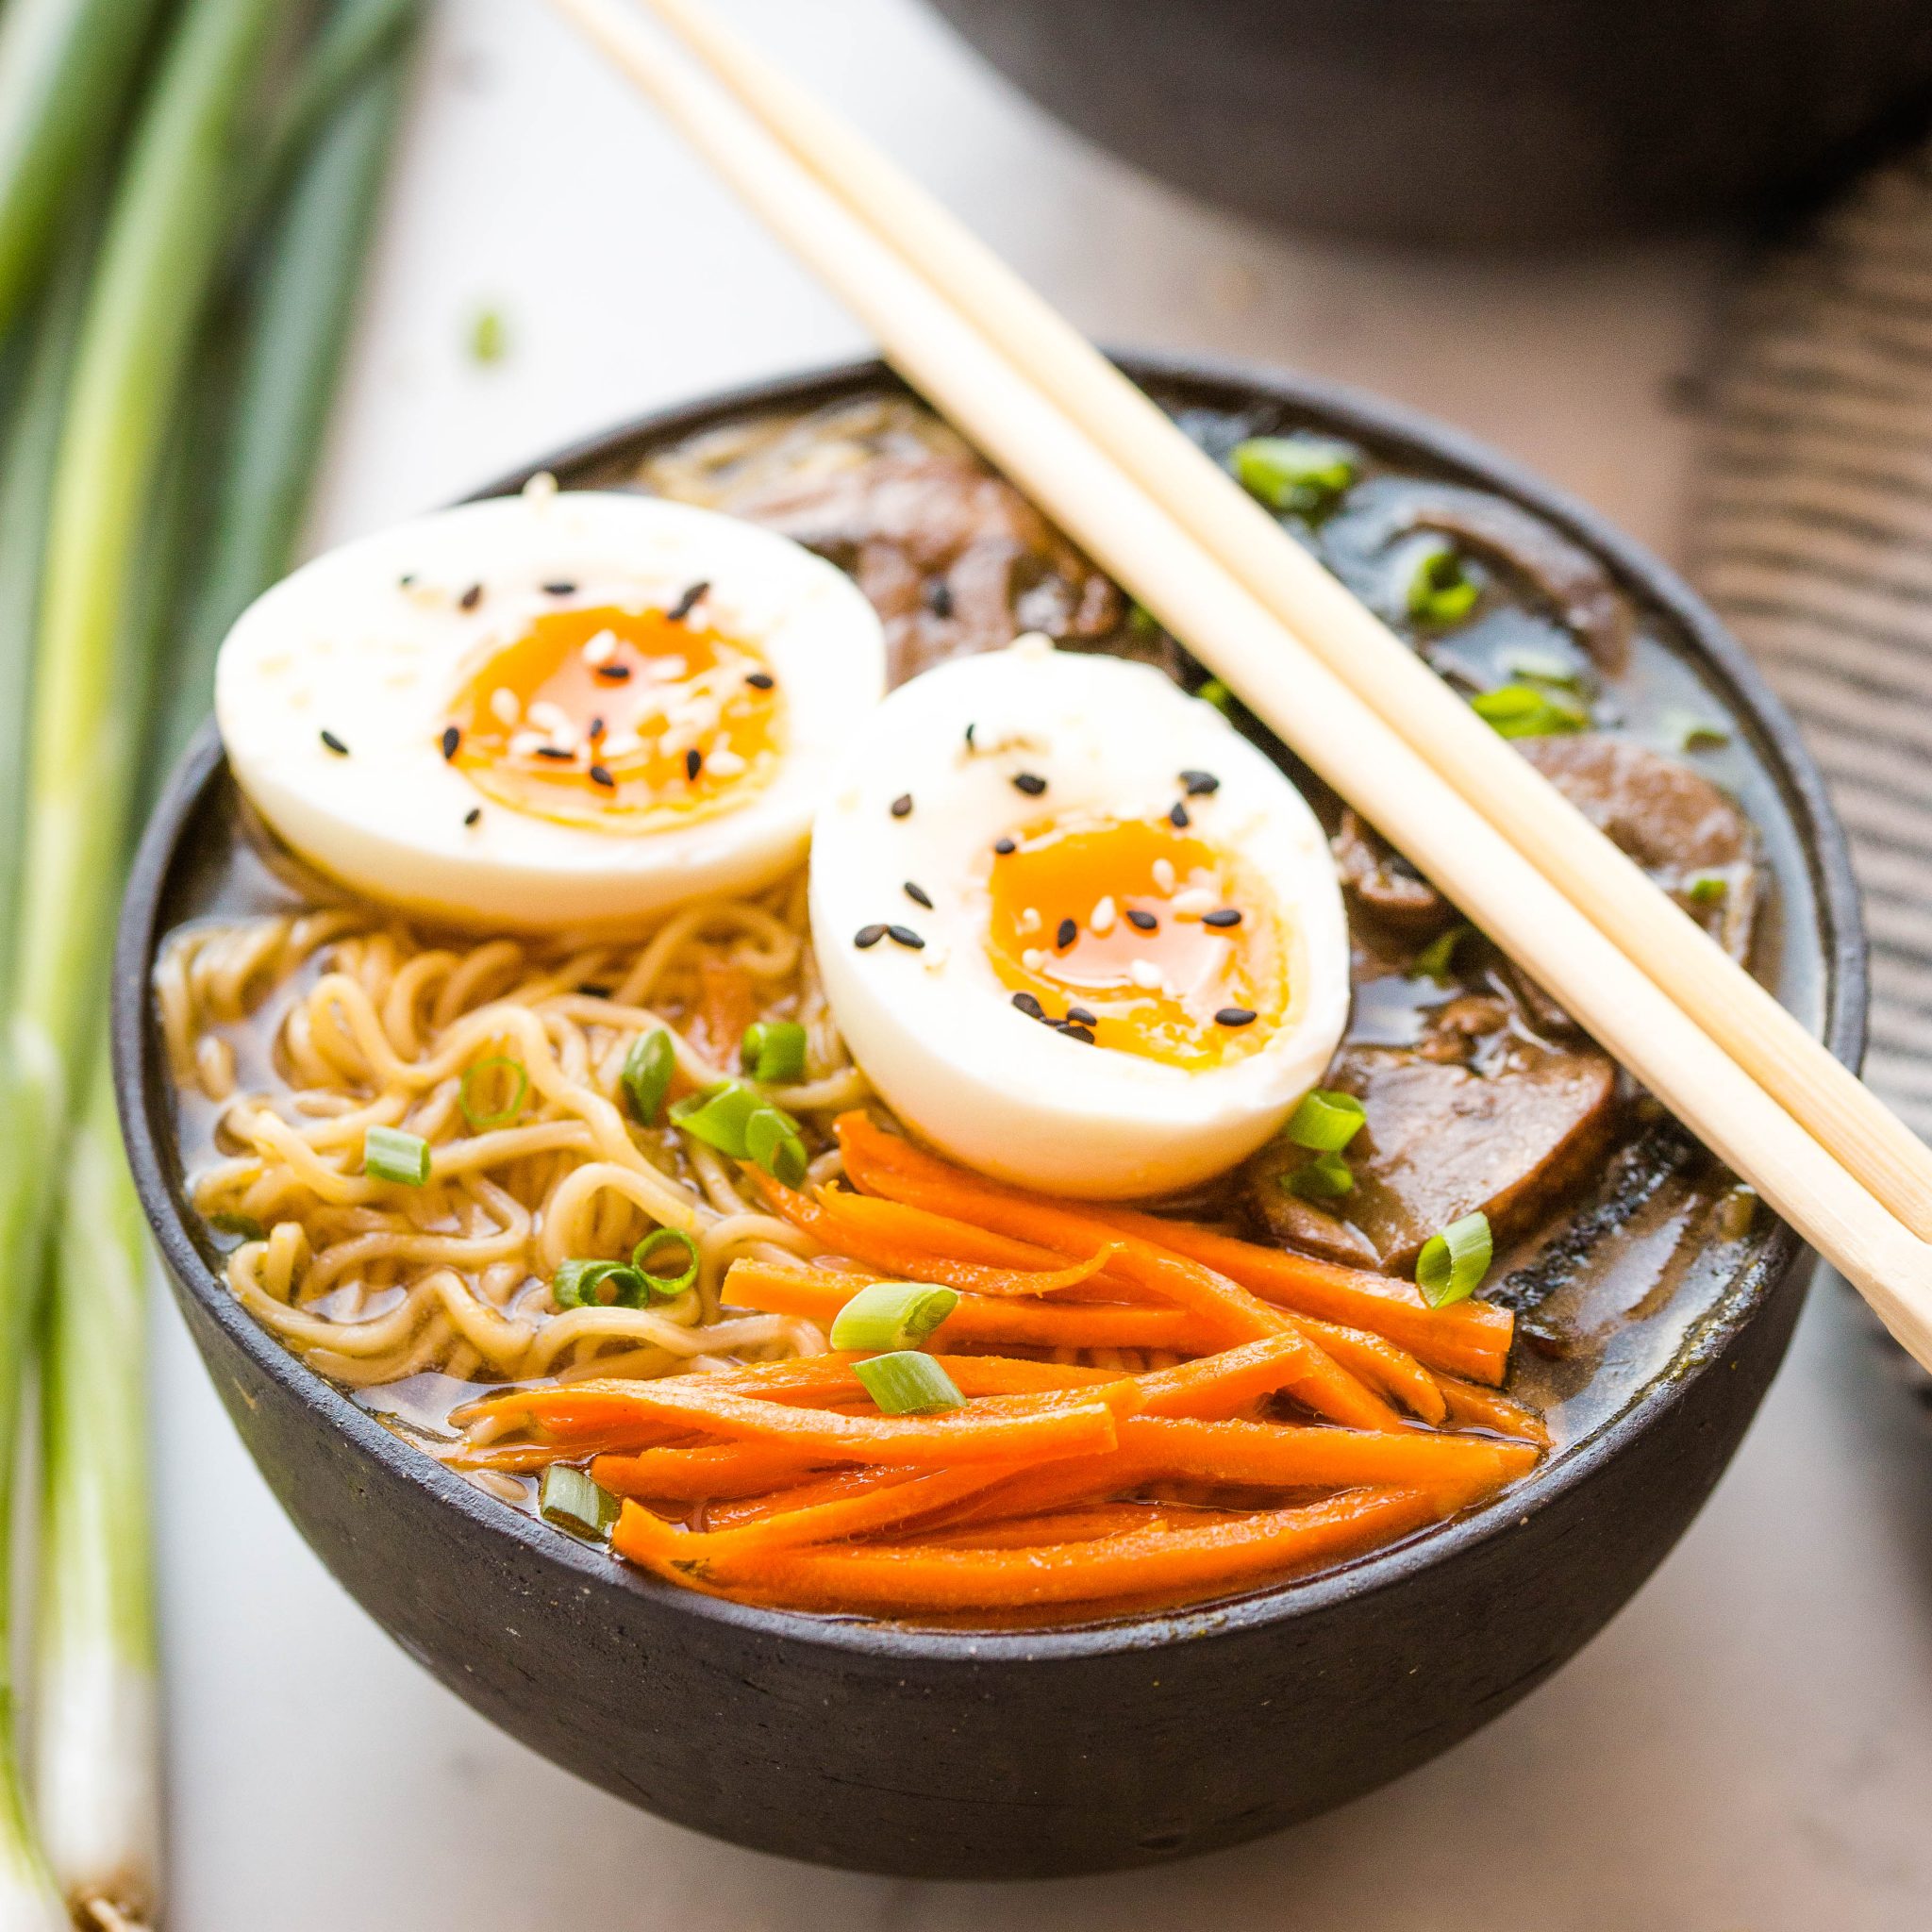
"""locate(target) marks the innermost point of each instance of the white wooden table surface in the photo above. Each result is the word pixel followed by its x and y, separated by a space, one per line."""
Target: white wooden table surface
pixel 1747 1749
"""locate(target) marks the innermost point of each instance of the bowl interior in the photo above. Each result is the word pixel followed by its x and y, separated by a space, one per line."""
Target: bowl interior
pixel 193 863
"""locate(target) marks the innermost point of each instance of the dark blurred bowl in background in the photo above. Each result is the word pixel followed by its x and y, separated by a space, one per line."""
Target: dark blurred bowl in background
pixel 1490 120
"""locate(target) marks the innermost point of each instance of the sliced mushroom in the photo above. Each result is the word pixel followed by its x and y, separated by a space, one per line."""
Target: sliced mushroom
pixel 1384 884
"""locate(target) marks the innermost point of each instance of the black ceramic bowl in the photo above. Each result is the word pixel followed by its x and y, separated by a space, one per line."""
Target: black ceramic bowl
pixel 1018 1752
pixel 1471 119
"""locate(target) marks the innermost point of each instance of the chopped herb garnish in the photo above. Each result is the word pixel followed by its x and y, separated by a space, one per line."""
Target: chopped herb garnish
pixel 1439 591
pixel 1303 475
pixel 1326 1177
pixel 909 1383
pixel 1524 710
pixel 773 1051
pixel 646 1076
pixel 1326 1122
pixel 483 1082
pixel 1452 1264
pixel 390 1153
pixel 889 1315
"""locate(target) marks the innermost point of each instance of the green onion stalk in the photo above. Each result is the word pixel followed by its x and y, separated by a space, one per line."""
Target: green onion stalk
pixel 66 68
pixel 156 263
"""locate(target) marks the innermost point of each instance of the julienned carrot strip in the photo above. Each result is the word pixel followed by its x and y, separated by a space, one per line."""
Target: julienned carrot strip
pixel 974 1375
pixel 1455 1470
pixel 1008 1428
pixel 1377 1361
pixel 1221 1384
pixel 1483 1408
pixel 882 1163
pixel 696 1475
pixel 1160 1559
pixel 818 1294
pixel 1061 1527
pixel 1469 1337
pixel 726 1006
pixel 828 1216
pixel 859 1512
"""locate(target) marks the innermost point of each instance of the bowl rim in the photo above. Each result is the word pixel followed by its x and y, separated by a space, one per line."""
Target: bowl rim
pixel 140 1074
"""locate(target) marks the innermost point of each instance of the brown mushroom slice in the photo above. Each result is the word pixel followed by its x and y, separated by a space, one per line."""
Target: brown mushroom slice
pixel 1673 821
pixel 1384 884
pixel 1441 1139
pixel 1306 1226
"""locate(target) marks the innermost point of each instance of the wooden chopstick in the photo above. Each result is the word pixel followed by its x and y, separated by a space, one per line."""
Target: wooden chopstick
pixel 1136 538
pixel 1733 1008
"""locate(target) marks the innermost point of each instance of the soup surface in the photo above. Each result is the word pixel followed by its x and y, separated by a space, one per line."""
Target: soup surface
pixel 1228 1384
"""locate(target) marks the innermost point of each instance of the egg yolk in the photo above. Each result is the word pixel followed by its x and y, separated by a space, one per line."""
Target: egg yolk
pixel 1124 926
pixel 619 720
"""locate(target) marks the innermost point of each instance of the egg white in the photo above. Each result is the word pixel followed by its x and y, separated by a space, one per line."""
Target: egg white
pixel 371 643
pixel 935 1030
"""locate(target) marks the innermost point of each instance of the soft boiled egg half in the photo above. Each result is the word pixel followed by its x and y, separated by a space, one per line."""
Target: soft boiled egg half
pixel 550 709
pixel 1077 931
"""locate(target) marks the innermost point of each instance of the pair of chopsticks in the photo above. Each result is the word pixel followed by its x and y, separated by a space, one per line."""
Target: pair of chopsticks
pixel 1319 667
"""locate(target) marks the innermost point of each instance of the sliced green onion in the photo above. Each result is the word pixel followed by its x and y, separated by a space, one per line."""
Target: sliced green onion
pixel 1142 622
pixel 1441 592
pixel 1216 693
pixel 1325 1121
pixel 909 1383
pixel 1687 731
pixel 1706 888
pixel 480 1117
pixel 1326 1177
pixel 569 1499
pixel 388 1153
pixel 1437 960
pixel 1523 711
pixel 773 1051
pixel 666 1287
pixel 770 1139
pixel 892 1315
pixel 1302 474
pixel 1546 667
pixel 599 1285
pixel 1452 1264
pixel 243 1226
pixel 718 1116
pixel 489 338
pixel 647 1069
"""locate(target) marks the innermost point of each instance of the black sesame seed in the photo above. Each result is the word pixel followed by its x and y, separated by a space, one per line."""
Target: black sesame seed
pixel 938 597
pixel 1067 934
pixel 901 804
pixel 1073 1032
pixel 1031 783
pixel 1004 846
pixel 471 597
pixel 600 775
pixel 407 577
pixel 475 812
pixel 905 936
pixel 917 895
pixel 970 730
pixel 596 727
pixel 335 745
pixel 1179 817
pixel 1029 1006
pixel 1226 915
pixel 1143 922
pixel 615 674
pixel 688 603
pixel 760 680
pixel 1234 1016
pixel 693 763
pixel 1081 1017
pixel 558 590
pixel 868 936
pixel 1199 783
pixel 451 738
pixel 556 752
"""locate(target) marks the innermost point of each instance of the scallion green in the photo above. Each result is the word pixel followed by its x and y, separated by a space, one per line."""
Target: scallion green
pixel 771 1139
pixel 598 1285
pixel 647 1259
pixel 1437 960
pixel 1325 1121
pixel 567 1497
pixel 718 1116
pixel 1439 590
pixel 1326 1177
pixel 1303 475
pixel 1452 1264
pixel 909 1383
pixel 1706 888
pixel 647 1070
pixel 889 1315
pixel 772 1052
pixel 390 1154
pixel 1213 692
pixel 473 1102
pixel 1528 710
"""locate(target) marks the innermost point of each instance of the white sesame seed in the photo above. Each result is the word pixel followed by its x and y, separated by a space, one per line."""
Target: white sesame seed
pixel 1193 902
pixel 1030 919
pixel 725 763
pixel 548 717
pixel 541 488
pixel 1163 875
pixel 601 648
pixel 1145 973
pixel 669 670
pixel 1101 920
pixel 504 706
pixel 524 744
pixel 620 744
pixel 1033 958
